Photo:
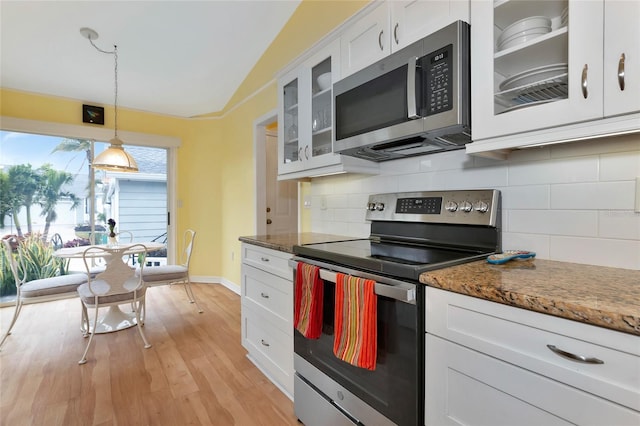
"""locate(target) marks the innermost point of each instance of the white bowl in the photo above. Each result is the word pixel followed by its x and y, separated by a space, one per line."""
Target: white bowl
pixel 523 25
pixel 324 81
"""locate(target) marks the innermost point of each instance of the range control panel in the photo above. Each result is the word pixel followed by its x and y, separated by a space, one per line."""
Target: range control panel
pixel 472 207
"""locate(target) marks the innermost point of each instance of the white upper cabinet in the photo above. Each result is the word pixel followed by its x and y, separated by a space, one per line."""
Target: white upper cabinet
pixel 547 71
pixel 392 25
pixel 366 40
pixel 621 57
pixel 305 117
pixel 413 20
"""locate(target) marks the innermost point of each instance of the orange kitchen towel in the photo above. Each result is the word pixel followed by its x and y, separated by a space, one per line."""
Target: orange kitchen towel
pixel 309 292
pixel 356 321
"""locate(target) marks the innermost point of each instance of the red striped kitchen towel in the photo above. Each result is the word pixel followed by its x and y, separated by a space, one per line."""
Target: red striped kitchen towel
pixel 309 291
pixel 356 326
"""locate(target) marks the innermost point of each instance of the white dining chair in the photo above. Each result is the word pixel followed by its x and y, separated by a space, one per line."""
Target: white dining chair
pixel 175 274
pixel 38 290
pixel 116 285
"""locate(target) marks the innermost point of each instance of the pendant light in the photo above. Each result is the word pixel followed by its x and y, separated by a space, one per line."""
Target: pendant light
pixel 114 158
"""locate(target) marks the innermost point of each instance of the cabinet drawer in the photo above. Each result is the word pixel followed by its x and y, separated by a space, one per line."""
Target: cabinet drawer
pixel 269 292
pixel 521 337
pixel 269 346
pixel 465 387
pixel 273 261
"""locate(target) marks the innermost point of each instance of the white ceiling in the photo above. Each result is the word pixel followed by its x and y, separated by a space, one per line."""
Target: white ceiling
pixel 182 58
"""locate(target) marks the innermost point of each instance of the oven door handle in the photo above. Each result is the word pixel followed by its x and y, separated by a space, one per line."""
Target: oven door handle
pixel 402 292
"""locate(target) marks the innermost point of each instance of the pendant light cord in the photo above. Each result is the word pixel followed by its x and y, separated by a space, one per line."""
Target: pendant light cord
pixel 115 102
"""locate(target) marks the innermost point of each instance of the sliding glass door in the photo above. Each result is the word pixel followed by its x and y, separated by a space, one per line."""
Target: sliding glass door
pixel 48 189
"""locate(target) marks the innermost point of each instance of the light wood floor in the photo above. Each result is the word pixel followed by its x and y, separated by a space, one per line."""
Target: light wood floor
pixel 196 372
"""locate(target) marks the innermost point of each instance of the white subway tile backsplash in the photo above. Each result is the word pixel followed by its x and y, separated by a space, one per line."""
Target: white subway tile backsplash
pixel 357 201
pixel 554 222
pixel 338 228
pixel 380 184
pixel 580 169
pixel 594 196
pixel 624 225
pixel 416 182
pixel 482 177
pixel 531 242
pixel 337 201
pixel 359 230
pixel 341 215
pixel 620 166
pixel 596 251
pixel 405 165
pixel 348 183
pixel 529 221
pixel 570 202
pixel 573 222
pixel 525 197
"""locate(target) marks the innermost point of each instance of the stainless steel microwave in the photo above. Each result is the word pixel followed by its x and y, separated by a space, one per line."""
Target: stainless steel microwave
pixel 413 102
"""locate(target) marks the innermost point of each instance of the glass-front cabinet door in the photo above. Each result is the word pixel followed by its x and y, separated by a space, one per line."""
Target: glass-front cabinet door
pixel 536 64
pixel 306 113
pixel 290 139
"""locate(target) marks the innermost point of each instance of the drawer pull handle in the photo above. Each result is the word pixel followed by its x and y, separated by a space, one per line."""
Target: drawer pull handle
pixel 264 259
pixel 380 40
pixel 574 357
pixel 265 295
pixel 264 343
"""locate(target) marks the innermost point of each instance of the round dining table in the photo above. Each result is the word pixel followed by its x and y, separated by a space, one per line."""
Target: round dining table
pixel 115 319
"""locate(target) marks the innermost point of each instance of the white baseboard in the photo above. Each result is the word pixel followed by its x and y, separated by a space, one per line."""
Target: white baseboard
pixel 216 280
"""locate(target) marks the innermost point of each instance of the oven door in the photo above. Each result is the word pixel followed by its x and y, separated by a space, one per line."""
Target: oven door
pixel 395 389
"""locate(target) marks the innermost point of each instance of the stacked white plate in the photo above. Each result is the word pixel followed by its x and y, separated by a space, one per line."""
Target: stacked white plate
pixel 534 76
pixel 523 30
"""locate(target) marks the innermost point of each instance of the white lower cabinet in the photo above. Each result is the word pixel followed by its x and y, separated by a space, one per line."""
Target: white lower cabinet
pixel 490 364
pixel 267 313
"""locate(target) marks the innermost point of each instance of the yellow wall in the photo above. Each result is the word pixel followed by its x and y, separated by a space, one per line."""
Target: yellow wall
pixel 216 183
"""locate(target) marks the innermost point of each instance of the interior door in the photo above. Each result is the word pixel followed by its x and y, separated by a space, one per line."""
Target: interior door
pixel 282 196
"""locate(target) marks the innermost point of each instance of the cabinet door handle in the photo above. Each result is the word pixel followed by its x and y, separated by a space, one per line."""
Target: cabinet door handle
pixel 264 343
pixel 621 72
pixel 265 295
pixel 584 83
pixel 574 357
pixel 395 33
pixel 300 154
pixel 306 152
pixel 380 39
pixel 264 259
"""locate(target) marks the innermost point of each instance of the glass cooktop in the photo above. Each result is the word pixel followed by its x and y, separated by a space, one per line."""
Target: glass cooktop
pixel 392 259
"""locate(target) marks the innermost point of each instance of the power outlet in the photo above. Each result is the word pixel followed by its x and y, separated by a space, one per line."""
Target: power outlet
pixel 637 206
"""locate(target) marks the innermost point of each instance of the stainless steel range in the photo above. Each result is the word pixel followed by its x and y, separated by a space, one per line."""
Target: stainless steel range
pixel 410 233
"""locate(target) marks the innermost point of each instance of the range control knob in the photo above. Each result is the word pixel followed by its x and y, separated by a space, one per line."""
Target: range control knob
pixel 466 206
pixel 371 207
pixel 451 206
pixel 481 207
pixel 379 206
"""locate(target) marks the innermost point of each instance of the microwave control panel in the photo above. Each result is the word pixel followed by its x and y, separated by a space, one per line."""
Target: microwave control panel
pixel 438 74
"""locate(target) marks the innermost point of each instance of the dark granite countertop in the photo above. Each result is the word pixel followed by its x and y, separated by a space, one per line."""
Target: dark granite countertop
pixel 597 295
pixel 285 242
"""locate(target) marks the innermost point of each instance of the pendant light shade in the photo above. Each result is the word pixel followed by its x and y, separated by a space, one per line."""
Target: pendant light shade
pixel 114 158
